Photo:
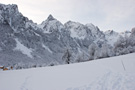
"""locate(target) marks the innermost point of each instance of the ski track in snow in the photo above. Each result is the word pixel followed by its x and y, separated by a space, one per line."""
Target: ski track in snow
pixel 110 81
pixel 24 85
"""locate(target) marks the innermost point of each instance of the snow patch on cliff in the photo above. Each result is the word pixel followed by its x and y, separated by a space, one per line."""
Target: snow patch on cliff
pixel 23 48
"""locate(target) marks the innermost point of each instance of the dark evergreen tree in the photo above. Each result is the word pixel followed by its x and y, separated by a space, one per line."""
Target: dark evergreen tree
pixel 67 57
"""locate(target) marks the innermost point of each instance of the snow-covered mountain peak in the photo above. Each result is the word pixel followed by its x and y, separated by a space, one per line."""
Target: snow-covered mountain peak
pixel 76 29
pixel 91 26
pixel 51 24
pixel 12 16
pixel 9 6
pixel 125 33
pixel 9 9
pixel 111 32
pixel 73 23
pixel 50 17
pixel 111 36
pixel 95 30
pixel 81 31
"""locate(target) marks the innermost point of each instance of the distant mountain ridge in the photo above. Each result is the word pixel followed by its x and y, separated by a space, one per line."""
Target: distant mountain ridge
pixel 24 43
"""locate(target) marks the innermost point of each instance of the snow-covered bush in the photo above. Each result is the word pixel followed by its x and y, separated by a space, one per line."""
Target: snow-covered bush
pixel 120 47
pixel 97 54
pixel 103 52
pixel 79 57
pixel 82 57
pixel 92 49
pixel 125 45
pixel 107 51
pixel 132 37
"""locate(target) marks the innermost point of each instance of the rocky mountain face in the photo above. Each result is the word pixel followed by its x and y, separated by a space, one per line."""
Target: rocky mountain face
pixel 24 43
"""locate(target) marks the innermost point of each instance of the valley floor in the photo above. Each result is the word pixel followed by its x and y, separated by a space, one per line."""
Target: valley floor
pixel 115 73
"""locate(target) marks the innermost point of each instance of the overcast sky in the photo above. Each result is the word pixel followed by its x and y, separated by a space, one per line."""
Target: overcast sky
pixel 118 15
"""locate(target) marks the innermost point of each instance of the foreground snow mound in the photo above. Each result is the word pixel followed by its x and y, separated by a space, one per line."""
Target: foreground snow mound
pixel 115 73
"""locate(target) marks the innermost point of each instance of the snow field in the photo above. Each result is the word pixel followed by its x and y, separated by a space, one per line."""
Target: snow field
pixel 104 74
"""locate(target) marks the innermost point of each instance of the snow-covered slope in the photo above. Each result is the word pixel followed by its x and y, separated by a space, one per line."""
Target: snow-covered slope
pixel 116 73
